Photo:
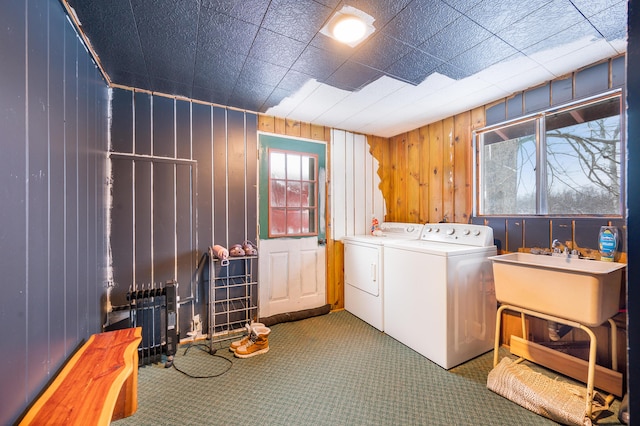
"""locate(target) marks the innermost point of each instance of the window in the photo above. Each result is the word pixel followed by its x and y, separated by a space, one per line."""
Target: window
pixel 561 162
pixel 293 189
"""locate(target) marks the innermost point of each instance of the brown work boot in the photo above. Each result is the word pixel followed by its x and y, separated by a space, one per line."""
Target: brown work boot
pixel 258 343
pixel 236 344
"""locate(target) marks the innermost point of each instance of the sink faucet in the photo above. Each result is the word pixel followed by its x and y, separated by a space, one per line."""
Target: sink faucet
pixel 555 245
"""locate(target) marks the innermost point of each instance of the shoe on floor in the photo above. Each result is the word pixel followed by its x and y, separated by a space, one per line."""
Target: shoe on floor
pixel 236 344
pixel 258 343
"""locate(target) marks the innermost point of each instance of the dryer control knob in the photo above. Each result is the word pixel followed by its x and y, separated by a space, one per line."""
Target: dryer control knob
pixel 466 232
pixel 450 231
pixel 476 232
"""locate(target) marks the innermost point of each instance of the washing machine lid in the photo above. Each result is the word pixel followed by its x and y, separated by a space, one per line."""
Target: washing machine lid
pixel 450 239
pixel 438 248
pixel 365 239
pixel 389 231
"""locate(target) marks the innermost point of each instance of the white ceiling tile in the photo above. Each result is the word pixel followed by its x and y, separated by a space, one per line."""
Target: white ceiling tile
pixel 288 104
pixel 322 99
pixel 579 58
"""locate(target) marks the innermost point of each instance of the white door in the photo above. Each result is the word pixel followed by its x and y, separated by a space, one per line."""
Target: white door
pixel 292 188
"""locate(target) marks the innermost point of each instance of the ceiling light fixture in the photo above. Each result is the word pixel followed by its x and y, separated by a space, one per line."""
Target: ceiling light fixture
pixel 349 29
pixel 349 26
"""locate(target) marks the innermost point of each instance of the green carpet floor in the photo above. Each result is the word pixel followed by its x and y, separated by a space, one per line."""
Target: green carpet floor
pixel 329 370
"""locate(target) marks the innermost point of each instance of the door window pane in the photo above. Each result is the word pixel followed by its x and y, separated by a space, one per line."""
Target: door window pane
pixel 277 166
pixel 278 222
pixel 308 194
pixel 293 166
pixel 308 168
pixel 293 194
pixel 278 193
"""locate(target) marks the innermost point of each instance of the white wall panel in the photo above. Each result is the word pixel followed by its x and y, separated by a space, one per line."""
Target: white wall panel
pixel 349 178
pixel 361 203
pixel 338 195
pixel 356 195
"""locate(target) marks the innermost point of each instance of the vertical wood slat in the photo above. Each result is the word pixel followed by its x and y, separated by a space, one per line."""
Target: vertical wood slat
pixel 279 126
pixel 305 130
pixel 436 170
pixel 292 127
pixel 448 155
pixel 462 177
pixel 425 174
pixel 266 123
pixel 413 177
pixel 448 158
pixel 397 170
pixel 320 133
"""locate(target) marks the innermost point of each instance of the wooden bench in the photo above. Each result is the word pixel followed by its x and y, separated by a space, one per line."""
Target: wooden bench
pixel 98 384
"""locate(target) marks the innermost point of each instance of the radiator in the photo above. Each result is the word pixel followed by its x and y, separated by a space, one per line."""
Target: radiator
pixel 155 310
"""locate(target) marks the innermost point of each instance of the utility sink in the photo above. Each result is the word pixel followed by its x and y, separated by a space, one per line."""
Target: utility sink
pixel 580 290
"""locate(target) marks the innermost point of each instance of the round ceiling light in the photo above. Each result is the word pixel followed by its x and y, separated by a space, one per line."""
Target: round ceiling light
pixel 349 29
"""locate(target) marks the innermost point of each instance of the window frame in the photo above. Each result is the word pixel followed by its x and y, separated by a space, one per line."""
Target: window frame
pixel 299 208
pixel 541 163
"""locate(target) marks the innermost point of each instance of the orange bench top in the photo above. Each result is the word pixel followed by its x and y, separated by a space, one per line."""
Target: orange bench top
pixel 88 387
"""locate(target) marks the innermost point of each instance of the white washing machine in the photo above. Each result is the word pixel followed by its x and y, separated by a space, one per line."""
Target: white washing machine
pixel 439 297
pixel 363 269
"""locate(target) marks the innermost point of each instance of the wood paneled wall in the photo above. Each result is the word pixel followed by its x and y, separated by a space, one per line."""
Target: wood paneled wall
pixel 426 173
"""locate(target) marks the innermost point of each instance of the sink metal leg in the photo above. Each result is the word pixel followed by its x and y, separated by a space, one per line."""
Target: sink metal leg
pixel 593 344
pixel 614 344
pixel 496 344
pixel 591 371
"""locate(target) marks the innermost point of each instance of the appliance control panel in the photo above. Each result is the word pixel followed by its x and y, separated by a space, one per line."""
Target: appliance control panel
pixel 458 233
pixel 401 230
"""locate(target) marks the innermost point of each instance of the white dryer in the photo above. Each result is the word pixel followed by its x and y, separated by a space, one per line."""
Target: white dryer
pixel 439 293
pixel 363 270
